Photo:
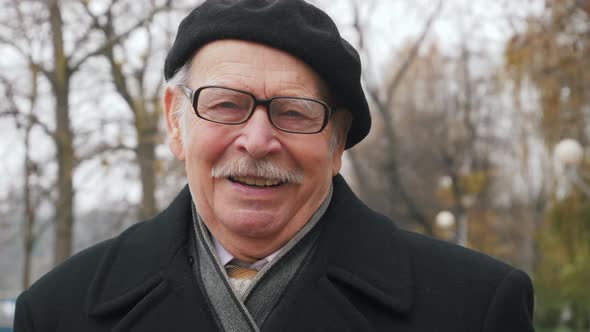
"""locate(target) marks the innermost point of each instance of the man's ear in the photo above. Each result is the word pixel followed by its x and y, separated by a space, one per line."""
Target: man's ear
pixel 337 159
pixel 173 125
pixel 342 123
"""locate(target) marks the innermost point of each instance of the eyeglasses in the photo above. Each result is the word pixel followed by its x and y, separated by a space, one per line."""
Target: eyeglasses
pixel 232 107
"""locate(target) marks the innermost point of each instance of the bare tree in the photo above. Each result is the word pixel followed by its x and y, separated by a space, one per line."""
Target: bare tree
pixel 25 118
pixel 143 101
pixel 29 169
pixel 58 69
pixel 382 100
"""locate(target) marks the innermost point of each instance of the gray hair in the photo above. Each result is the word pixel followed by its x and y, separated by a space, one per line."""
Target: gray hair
pixel 183 75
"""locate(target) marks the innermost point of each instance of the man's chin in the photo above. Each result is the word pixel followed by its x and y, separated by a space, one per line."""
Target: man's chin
pixel 252 224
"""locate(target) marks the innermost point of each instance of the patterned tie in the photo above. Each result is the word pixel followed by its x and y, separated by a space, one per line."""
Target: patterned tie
pixel 239 272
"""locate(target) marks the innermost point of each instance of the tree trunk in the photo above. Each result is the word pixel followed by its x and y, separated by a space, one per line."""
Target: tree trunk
pixel 358 170
pixel 64 219
pixel 146 132
pixel 29 212
pixel 147 138
pixel 394 175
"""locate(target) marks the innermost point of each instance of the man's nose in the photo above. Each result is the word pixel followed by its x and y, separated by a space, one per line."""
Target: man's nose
pixel 258 137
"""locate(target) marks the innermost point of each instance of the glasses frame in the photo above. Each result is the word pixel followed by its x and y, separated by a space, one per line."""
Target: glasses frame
pixel 193 97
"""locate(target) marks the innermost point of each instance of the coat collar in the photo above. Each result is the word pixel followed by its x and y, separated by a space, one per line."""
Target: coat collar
pixel 366 251
pixel 357 248
pixel 360 270
pixel 138 260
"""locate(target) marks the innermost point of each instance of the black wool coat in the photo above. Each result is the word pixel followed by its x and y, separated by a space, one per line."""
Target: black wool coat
pixel 365 275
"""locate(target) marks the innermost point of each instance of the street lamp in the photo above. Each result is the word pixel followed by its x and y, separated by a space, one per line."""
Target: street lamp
pixel 7 308
pixel 445 219
pixel 570 153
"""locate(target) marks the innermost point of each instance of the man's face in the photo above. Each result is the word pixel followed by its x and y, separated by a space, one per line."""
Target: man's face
pixel 234 209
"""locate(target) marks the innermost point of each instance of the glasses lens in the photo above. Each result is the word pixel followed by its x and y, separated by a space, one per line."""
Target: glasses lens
pixel 297 115
pixel 223 105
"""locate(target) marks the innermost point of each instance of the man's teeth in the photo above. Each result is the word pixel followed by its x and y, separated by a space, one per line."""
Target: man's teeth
pixel 256 181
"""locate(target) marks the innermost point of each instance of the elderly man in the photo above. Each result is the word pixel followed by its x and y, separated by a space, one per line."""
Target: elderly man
pixel 262 99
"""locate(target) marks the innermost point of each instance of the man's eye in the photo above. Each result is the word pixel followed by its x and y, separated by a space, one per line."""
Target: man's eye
pixel 226 105
pixel 292 114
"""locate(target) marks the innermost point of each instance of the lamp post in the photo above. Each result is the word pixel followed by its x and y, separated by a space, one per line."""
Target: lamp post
pixel 458 218
pixel 570 153
pixel 466 202
pixel 446 220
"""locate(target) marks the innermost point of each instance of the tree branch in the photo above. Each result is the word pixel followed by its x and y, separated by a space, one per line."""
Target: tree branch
pixel 110 42
pixel 393 85
pixel 101 149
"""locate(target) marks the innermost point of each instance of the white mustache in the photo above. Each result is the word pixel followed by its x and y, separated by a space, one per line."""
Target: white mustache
pixel 257 168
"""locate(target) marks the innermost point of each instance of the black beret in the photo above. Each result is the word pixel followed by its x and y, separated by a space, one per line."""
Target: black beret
pixel 293 26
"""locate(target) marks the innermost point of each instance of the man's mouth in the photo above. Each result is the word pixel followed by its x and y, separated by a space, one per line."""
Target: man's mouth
pixel 255 182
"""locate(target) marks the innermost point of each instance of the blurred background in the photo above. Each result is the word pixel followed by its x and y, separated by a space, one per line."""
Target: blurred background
pixel 480 112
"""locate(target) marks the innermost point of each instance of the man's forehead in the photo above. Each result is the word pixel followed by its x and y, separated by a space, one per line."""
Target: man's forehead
pixel 250 64
pixel 255 55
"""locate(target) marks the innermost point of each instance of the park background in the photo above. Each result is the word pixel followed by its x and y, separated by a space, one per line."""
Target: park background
pixel 480 123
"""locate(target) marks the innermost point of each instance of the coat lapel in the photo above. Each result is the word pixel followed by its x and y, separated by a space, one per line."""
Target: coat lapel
pixel 360 268
pixel 141 287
